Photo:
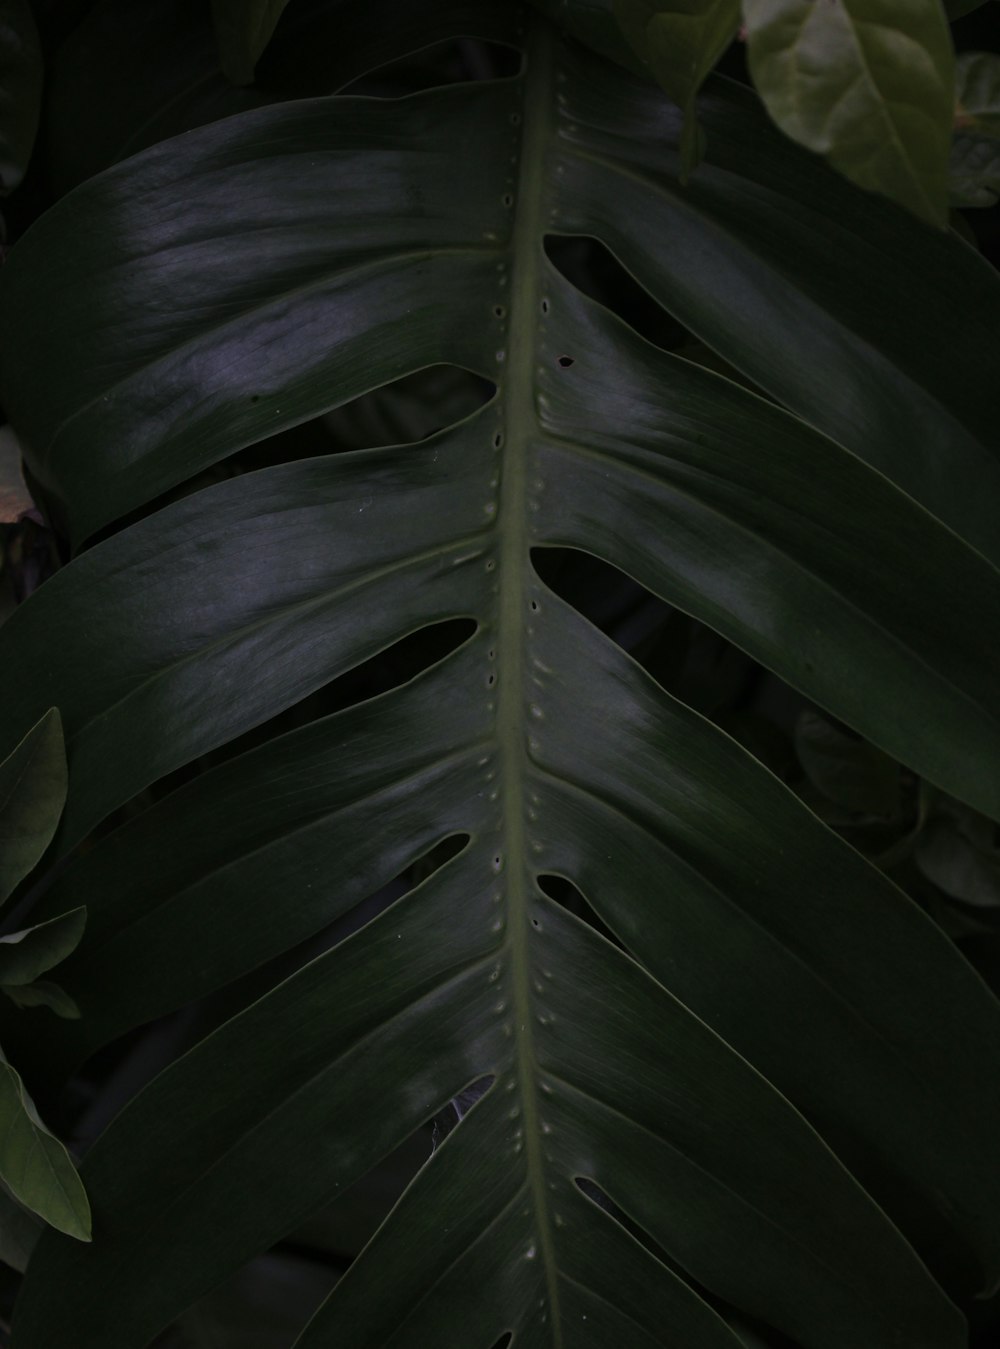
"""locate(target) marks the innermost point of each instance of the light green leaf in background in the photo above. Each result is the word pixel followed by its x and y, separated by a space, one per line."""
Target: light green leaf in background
pixel 867 83
pixel 680 41
pixel 20 90
pixel 975 153
pixel 243 29
pixel 19 1230
pixel 848 771
pixel 34 1165
pixel 26 954
pixel 32 794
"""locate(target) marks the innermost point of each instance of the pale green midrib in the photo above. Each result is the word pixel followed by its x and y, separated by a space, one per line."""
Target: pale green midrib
pixel 520 424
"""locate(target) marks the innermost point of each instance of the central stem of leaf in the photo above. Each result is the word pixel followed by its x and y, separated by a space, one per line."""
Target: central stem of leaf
pixel 519 611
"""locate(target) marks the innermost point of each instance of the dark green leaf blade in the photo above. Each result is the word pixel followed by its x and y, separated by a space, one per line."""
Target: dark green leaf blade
pixel 867 83
pixel 32 794
pixel 384 566
pixel 956 9
pixel 35 1166
pixel 669 1073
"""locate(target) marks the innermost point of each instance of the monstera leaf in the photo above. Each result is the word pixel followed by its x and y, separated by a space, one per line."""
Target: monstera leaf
pixel 758 1078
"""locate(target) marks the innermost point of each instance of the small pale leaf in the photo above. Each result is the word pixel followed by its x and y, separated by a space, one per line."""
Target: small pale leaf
pixel 867 83
pixel 26 954
pixel 243 29
pixel 35 1166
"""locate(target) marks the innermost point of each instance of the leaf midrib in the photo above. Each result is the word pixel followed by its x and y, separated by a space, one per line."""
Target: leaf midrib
pixel 516 586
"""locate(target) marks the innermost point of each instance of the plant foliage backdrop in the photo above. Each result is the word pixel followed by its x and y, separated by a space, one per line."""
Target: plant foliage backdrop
pixel 720 1080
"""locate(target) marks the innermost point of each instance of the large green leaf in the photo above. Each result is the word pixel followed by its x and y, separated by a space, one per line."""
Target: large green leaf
pixel 775 1082
pixel 32 795
pixel 868 83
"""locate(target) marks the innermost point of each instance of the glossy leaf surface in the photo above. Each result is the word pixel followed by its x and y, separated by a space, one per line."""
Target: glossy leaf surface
pixel 690 1067
pixel 867 83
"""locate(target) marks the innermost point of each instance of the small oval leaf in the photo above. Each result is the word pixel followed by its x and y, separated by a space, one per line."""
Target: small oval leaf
pixel 680 41
pixel 35 1166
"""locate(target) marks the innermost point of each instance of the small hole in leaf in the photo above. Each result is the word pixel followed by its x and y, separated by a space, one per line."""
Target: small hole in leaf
pixel 255 398
pixel 499 310
pixel 497 440
pixel 545 306
pixel 535 923
pixel 491 680
pixel 534 606
pixel 508 199
pixel 565 361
